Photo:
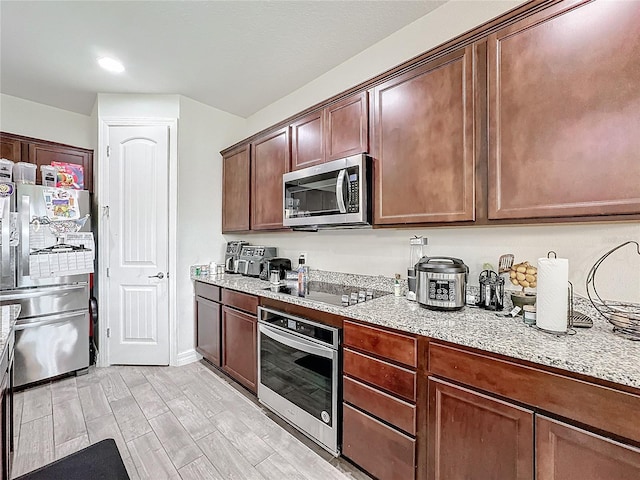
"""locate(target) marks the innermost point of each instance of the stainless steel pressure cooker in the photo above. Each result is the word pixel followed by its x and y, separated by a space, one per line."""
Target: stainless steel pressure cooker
pixel 441 283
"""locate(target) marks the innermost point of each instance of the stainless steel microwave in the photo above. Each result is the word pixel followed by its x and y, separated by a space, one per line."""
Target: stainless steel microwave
pixel 332 194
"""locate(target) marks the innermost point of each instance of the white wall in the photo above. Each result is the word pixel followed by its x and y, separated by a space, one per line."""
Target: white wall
pixel 31 119
pixel 385 251
pixel 203 131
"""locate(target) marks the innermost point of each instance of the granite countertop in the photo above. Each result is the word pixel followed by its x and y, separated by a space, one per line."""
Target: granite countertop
pixel 9 314
pixel 596 351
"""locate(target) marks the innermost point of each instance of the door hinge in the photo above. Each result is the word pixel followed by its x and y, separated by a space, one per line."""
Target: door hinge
pixel 105 211
pixel 108 150
pixel 108 332
pixel 108 272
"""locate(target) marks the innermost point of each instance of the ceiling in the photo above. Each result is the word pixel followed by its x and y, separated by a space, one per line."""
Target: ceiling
pixel 237 56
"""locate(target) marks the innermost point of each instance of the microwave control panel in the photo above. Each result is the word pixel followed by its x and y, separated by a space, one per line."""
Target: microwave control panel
pixel 354 194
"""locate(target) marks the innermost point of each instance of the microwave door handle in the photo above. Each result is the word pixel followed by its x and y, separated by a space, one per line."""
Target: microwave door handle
pixel 340 191
pixel 6 236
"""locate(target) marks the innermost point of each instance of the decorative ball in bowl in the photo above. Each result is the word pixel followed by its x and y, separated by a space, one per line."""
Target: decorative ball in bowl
pixel 523 275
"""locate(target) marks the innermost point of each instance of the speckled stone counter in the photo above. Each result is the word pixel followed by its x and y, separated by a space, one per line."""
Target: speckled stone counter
pixel 596 351
pixel 8 316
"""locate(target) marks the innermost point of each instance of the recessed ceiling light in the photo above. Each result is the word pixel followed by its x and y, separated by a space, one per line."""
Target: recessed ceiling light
pixel 111 64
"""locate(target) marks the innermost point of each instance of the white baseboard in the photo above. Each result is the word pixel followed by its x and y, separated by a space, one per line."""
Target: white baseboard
pixel 187 357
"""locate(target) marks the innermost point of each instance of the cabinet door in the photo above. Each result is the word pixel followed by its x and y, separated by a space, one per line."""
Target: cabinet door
pixel 239 343
pixel 10 148
pixel 43 154
pixel 474 436
pixel 564 452
pixel 564 112
pixel 307 141
pixel 347 127
pixel 422 143
pixel 269 161
pixel 236 187
pixel 208 320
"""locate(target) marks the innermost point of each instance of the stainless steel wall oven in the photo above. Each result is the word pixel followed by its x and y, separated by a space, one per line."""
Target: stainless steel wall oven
pixel 299 372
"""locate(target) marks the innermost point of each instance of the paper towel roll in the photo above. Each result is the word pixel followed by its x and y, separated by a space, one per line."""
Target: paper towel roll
pixel 552 302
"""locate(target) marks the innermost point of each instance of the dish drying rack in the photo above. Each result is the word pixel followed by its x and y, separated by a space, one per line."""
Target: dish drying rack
pixel 625 317
pixel 59 228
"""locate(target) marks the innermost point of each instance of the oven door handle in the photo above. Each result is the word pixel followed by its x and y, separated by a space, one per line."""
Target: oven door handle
pixel 294 342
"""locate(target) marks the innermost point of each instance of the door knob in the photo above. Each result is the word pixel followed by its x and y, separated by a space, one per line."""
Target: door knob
pixel 159 275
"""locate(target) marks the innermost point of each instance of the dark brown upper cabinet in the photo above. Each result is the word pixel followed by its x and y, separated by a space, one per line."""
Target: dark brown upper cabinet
pixel 236 187
pixel 45 153
pixel 42 152
pixel 564 112
pixel 347 127
pixel 10 148
pixel 422 143
pixel 269 161
pixel 307 142
pixel 337 131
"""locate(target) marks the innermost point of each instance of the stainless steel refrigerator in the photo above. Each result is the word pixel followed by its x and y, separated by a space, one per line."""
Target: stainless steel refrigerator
pixel 45 268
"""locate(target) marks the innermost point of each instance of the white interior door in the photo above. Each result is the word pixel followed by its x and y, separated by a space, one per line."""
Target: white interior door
pixel 138 165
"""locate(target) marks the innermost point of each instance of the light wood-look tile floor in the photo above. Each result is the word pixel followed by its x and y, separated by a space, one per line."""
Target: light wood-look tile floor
pixel 168 422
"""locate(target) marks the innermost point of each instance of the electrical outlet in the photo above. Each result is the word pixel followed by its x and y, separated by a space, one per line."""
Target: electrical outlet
pixel 303 255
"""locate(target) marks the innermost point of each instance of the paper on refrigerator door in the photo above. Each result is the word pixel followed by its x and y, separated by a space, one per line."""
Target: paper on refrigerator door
pixel 61 203
pixel 81 239
pixel 58 264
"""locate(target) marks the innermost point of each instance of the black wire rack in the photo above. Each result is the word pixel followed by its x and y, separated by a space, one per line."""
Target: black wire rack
pixel 625 317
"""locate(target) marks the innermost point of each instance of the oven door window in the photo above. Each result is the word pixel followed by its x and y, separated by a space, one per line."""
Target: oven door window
pixel 304 379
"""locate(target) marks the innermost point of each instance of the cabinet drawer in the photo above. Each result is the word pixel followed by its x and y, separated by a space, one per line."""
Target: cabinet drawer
pixel 390 409
pixel 210 292
pixel 391 378
pixel 241 301
pixel 393 346
pixel 595 405
pixel 380 450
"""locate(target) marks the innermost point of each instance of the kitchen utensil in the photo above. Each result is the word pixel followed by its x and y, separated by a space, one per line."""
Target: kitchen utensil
pixel 625 317
pixel 441 283
pixel 505 262
pixel 491 291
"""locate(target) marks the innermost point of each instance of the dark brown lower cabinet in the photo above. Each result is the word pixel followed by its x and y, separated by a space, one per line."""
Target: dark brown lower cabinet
pixel 6 409
pixel 208 330
pixel 564 452
pixel 473 436
pixel 239 343
pixel 381 450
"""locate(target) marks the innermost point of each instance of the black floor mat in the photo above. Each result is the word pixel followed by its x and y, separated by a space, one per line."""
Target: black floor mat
pixel 100 461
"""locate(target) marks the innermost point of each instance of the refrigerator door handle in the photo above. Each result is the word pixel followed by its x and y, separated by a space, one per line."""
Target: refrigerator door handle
pixel 49 320
pixel 42 292
pixel 6 236
pixel 25 221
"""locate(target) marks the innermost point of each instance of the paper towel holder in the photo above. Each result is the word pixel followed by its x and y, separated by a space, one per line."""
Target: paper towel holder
pixel 570 312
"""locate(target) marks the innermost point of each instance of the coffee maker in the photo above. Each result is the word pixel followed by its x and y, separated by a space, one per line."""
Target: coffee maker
pixel 232 254
pixel 250 260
